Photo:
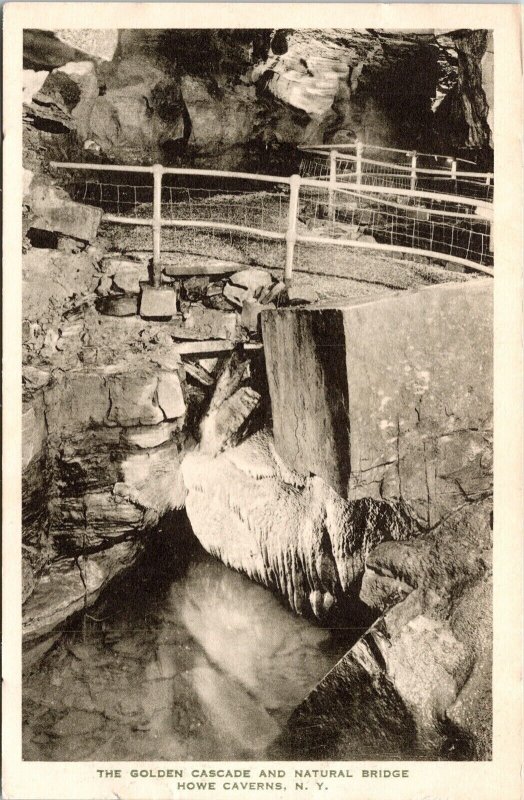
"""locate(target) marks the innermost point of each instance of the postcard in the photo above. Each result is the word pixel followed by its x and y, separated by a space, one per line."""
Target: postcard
pixel 263 401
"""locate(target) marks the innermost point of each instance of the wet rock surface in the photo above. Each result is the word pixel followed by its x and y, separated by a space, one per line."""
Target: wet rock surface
pixel 312 552
pixel 68 585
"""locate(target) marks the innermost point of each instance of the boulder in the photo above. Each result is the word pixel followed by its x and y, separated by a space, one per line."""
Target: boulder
pixel 218 120
pixel 301 295
pixel 194 288
pixel 124 305
pixel 235 294
pixel 247 285
pixel 157 302
pixel 133 399
pixel 53 210
pixel 169 395
pixel 253 279
pixel 272 294
pixel 424 666
pixel 82 73
pixel 200 267
pixel 140 108
pixel 387 410
pixel 111 263
pixel 127 277
pixel 201 323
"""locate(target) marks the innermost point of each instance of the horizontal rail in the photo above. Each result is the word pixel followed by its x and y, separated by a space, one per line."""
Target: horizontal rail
pixel 195 223
pixel 217 173
pixel 210 173
pixel 352 145
pixel 98 167
pixel 394 248
pixel 352 177
pixel 451 198
pixel 127 220
pixel 437 212
pixel 226 226
pixel 418 170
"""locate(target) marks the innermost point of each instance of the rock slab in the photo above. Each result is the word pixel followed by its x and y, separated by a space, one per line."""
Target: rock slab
pixel 388 399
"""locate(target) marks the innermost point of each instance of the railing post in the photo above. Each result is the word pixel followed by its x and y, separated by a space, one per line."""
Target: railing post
pixel 291 233
pixel 413 184
pixel 332 183
pixel 359 151
pixel 454 170
pixel 157 222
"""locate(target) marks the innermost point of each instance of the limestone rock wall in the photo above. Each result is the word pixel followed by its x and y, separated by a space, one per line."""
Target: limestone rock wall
pixel 108 431
pixel 36 546
pixel 224 97
pixel 465 116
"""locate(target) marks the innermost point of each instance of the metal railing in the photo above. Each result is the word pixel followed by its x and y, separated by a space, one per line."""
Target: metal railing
pixel 341 213
pixel 404 169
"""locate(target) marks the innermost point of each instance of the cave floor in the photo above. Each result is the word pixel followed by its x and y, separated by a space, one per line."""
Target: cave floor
pixel 333 272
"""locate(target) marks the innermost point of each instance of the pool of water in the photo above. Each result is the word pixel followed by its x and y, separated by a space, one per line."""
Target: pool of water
pixel 184 659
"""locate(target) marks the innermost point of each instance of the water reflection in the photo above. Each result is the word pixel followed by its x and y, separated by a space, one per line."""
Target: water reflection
pixel 202 664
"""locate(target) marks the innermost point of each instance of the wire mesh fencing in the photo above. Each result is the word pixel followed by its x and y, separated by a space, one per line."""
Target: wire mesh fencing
pixel 205 203
pixel 441 227
pixel 427 173
pixel 255 219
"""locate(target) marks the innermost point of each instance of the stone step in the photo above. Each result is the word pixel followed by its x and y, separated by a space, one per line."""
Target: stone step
pixel 157 302
pixel 210 267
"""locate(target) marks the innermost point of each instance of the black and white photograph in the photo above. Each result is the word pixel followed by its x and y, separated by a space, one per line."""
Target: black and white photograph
pixel 257 364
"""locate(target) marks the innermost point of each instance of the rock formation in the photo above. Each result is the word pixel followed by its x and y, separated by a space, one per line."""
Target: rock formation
pixel 231 95
pixel 351 471
pixel 382 411
pixel 418 683
pixel 312 551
